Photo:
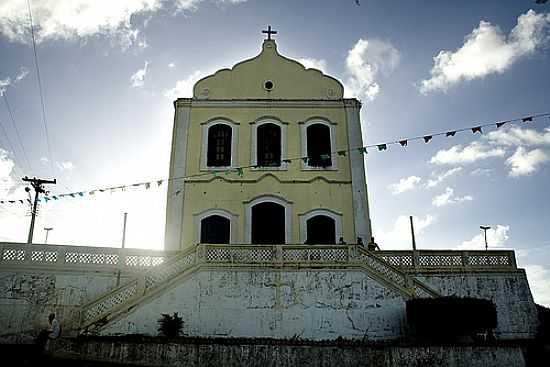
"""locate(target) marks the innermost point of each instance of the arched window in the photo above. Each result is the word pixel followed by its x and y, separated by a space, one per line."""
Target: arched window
pixel 318 146
pixel 215 229
pixel 268 148
pixel 268 223
pixel 219 146
pixel 321 230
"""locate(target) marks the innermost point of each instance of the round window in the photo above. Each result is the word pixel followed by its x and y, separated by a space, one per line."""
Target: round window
pixel 268 85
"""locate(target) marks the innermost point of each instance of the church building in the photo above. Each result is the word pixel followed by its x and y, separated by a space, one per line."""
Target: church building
pixel 264 147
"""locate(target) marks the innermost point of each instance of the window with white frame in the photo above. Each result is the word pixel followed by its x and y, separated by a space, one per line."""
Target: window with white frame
pixel 320 226
pixel 318 144
pixel 219 144
pixel 268 144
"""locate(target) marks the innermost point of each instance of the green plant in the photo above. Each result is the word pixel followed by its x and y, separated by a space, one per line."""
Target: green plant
pixel 170 326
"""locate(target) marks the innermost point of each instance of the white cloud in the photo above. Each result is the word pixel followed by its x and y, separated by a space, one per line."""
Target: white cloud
pixel 448 197
pixel 460 155
pixel 439 178
pixel 399 237
pixel 519 136
pixel 5 83
pixel 184 87
pixel 78 19
pixel 65 166
pixel 138 78
pixel 497 236
pixel 405 184
pixel 487 51
pixel 539 282
pixel 311 63
pixel 365 61
pixel 481 172
pixel 524 162
pixel 171 65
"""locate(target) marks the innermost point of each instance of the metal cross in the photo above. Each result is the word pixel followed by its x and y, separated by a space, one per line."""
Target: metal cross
pixel 269 32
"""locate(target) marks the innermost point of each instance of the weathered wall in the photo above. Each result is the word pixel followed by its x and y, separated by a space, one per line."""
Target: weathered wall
pixel 318 305
pixel 516 313
pixel 27 297
pixel 212 354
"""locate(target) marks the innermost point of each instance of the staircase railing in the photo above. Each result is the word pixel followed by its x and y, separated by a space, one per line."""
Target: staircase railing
pixel 104 308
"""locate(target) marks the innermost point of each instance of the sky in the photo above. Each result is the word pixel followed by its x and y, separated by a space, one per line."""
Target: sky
pixel 111 70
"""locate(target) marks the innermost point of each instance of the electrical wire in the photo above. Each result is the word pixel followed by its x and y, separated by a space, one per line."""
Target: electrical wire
pixel 40 89
pixel 10 112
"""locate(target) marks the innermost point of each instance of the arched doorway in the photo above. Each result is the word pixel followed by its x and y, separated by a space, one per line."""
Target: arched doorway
pixel 268 223
pixel 215 229
pixel 321 230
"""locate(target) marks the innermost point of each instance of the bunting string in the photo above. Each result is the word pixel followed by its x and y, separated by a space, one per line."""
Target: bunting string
pixel 239 171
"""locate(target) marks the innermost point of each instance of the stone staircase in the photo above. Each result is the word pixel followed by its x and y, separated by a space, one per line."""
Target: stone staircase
pixel 120 301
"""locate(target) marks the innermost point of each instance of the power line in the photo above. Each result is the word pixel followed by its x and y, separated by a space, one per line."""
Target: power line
pixel 10 146
pixel 10 112
pixel 44 120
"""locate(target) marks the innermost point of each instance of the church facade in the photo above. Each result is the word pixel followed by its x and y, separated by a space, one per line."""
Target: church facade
pixel 261 155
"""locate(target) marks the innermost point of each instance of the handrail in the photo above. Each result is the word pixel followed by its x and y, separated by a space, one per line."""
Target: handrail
pixel 80 257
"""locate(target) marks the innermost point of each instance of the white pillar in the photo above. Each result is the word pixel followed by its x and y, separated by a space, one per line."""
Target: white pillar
pixel 361 214
pixel 174 203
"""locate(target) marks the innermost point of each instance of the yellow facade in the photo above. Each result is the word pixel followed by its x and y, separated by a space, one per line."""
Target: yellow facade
pixel 240 98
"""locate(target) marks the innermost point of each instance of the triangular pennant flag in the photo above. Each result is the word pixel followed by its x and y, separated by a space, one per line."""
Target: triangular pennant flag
pixel 427 138
pixel 91 193
pixel 71 195
pixel 136 184
pixel 178 192
pixel 476 129
pixel 12 201
pixel 81 193
pixel 159 182
pixel 29 200
pixel 21 201
pixel 500 124
pixel 382 147
pixel 286 160
pixel 362 150
pixel 1 201
pixel 147 185
pixel 101 190
pixel 46 199
pixel 450 133
pixel 342 153
pixel 527 119
pixel 403 142
pixel 305 159
pixel 55 197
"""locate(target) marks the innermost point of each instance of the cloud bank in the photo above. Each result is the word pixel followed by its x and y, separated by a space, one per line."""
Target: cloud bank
pixel 488 51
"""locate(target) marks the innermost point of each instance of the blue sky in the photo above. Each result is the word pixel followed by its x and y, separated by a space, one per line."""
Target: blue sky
pixel 110 71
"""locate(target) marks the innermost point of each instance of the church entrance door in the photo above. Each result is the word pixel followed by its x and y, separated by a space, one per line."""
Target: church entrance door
pixel 321 230
pixel 268 223
pixel 215 229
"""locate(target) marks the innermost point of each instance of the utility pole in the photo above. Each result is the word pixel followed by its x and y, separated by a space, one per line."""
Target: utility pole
pixel 38 186
pixel 47 229
pixel 413 242
pixel 123 246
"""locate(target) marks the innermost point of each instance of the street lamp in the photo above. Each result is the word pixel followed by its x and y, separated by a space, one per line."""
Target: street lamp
pixel 485 228
pixel 47 229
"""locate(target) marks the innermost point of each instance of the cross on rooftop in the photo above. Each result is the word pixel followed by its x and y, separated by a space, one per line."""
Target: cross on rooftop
pixel 269 32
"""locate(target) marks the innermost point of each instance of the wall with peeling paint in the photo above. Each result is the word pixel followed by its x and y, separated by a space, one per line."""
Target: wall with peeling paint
pixel 318 305
pixel 27 297
pixel 305 304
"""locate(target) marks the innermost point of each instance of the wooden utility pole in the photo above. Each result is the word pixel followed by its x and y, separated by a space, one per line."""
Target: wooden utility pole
pixel 413 241
pixel 38 186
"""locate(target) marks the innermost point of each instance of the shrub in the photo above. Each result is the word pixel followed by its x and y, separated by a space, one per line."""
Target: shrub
pixel 170 326
pixel 446 318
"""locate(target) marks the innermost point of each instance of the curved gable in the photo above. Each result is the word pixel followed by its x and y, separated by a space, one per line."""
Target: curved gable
pixel 246 80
